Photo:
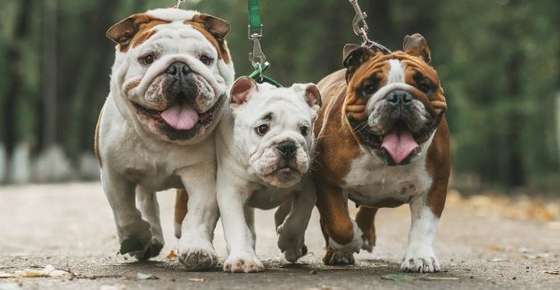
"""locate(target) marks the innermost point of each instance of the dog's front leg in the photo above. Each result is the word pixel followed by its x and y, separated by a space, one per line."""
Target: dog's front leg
pixel 291 233
pixel 342 234
pixel 195 246
pixel 420 255
pixel 239 237
pixel 133 232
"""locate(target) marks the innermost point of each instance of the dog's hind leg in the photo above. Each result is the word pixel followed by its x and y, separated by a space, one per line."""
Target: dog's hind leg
pixel 149 207
pixel 366 222
pixel 181 202
pixel 250 218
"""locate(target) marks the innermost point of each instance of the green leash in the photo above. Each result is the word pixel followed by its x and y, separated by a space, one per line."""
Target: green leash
pixel 257 56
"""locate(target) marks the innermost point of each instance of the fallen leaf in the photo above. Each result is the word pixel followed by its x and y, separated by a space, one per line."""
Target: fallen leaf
pixel 436 278
pixel 142 276
pixel 172 255
pixel 4 275
pixel 197 279
pixel 113 287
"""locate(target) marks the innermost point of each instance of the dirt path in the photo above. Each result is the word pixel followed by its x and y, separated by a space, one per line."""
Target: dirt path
pixel 70 227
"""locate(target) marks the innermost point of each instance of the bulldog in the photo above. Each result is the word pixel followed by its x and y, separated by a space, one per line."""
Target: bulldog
pixel 168 91
pixel 382 141
pixel 265 147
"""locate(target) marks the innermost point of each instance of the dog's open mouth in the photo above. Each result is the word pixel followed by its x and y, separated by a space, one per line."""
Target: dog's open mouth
pixel 399 145
pixel 181 120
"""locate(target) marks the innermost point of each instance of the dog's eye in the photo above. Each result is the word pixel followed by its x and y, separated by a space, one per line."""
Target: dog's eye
pixel 147 59
pixel 261 130
pixel 370 87
pixel 424 84
pixel 206 59
pixel 304 130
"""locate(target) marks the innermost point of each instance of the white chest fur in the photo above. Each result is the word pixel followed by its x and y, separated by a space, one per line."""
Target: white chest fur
pixel 371 182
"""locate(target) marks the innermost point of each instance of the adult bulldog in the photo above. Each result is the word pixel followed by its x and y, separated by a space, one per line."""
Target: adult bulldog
pixel 168 90
pixel 383 141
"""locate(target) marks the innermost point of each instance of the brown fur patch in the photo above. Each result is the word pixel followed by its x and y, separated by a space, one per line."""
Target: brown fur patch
pixel 219 44
pixel 133 30
pixel 439 167
pixel 181 202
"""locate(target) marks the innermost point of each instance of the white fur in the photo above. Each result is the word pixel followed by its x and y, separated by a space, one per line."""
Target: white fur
pixel 240 185
pixel 420 255
pixel 396 72
pixel 137 162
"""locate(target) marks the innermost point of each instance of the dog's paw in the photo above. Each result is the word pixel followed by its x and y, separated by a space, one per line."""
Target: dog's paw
pixel 197 258
pixel 421 260
pixel 353 246
pixel 140 248
pixel 293 254
pixel 337 258
pixel 293 247
pixel 243 263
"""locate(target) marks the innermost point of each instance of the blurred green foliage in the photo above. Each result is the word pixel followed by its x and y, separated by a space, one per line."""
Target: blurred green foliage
pixel 499 61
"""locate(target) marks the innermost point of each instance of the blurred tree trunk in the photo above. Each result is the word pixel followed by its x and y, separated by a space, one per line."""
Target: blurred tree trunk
pixel 514 167
pixel 15 78
pixel 50 73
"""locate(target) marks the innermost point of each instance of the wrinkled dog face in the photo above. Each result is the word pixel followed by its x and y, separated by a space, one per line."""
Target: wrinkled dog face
pixel 396 100
pixel 172 70
pixel 273 129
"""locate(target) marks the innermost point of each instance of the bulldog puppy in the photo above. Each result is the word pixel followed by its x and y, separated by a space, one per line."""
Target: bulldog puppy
pixel 265 149
pixel 382 141
pixel 168 91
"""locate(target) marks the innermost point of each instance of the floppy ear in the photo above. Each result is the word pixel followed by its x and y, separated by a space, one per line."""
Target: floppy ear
pixel 123 31
pixel 311 94
pixel 241 91
pixel 417 45
pixel 354 56
pixel 218 27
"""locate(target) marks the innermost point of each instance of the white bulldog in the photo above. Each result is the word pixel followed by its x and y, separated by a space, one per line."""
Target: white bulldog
pixel 168 92
pixel 265 150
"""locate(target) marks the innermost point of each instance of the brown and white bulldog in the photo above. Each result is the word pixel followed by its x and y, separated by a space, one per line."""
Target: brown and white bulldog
pixel 168 91
pixel 382 141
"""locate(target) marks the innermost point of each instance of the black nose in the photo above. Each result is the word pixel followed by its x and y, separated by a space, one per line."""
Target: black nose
pixel 399 97
pixel 287 149
pixel 178 70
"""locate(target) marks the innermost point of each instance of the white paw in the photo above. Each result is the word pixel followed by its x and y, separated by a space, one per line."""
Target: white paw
pixel 420 259
pixel 353 247
pixel 197 256
pixel 243 263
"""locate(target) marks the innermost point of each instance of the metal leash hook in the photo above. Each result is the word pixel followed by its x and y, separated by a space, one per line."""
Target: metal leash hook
pixel 361 28
pixel 257 56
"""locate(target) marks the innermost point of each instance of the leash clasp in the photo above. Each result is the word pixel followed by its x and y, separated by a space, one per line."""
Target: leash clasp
pixel 361 28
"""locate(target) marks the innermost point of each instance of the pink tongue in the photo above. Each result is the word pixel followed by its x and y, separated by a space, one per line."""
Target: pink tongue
pixel 399 145
pixel 180 117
